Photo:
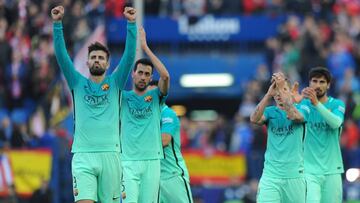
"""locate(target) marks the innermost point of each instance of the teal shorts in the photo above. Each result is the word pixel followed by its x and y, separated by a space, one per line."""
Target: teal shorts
pixel 324 188
pixel 141 181
pixel 281 190
pixel 97 176
pixel 175 189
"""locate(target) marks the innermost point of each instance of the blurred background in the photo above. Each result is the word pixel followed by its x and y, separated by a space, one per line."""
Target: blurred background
pixel 220 55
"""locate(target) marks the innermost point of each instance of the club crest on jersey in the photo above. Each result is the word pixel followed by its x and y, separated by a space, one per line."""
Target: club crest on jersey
pixel 148 98
pixel 105 87
pixel 76 192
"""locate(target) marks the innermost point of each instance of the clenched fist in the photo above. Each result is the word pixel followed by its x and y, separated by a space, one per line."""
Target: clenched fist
pixel 130 14
pixel 57 13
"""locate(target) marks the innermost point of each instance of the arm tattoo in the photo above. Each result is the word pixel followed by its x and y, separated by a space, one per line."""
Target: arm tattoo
pixel 256 116
pixel 257 113
pixel 291 111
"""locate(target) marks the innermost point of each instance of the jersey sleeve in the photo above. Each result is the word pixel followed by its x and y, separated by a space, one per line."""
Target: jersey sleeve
pixel 168 122
pixel 62 57
pixel 339 109
pixel 267 113
pixel 123 69
pixel 162 98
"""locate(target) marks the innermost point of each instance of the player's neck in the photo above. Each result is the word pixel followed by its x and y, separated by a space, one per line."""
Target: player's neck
pixel 97 79
pixel 323 99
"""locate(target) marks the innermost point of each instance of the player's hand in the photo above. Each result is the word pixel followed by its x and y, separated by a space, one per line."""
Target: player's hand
pixel 280 80
pixel 285 97
pixel 310 93
pixel 142 36
pixel 130 14
pixel 57 13
pixel 295 93
pixel 272 90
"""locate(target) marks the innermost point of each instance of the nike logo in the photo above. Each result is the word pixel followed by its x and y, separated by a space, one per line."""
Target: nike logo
pixel 115 198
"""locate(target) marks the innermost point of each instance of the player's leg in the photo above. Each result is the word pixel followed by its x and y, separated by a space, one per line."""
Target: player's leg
pixel 109 179
pixel 84 178
pixel 294 190
pixel 313 187
pixel 269 190
pixel 332 189
pixel 131 180
pixel 150 182
pixel 175 189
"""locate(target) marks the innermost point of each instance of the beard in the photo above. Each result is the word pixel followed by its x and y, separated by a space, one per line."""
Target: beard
pixel 96 70
pixel 320 94
pixel 140 88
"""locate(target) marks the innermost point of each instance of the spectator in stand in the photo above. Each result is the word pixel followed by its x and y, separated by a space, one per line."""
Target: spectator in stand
pixel 16 78
pixel 43 194
pixel 114 8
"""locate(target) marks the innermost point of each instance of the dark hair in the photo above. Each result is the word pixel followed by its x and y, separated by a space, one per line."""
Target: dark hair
pixel 317 72
pixel 98 46
pixel 154 83
pixel 144 61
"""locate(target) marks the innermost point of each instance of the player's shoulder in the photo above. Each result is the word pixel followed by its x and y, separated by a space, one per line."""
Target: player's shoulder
pixel 127 92
pixel 337 104
pixel 271 108
pixel 305 102
pixel 336 101
pixel 303 106
pixel 168 111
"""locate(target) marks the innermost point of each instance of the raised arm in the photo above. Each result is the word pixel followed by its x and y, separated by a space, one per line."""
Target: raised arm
pixel 159 66
pixel 61 54
pixel 123 69
pixel 291 111
pixel 287 97
pixel 257 116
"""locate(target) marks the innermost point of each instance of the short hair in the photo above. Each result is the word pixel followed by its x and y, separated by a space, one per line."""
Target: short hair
pixel 318 72
pixel 154 83
pixel 144 61
pixel 98 46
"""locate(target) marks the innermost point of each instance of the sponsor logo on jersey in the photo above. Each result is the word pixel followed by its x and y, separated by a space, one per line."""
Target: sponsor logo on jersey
pixel 282 131
pixel 76 192
pixel 94 100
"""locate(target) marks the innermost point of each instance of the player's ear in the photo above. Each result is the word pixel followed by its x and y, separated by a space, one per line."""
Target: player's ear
pixel 88 64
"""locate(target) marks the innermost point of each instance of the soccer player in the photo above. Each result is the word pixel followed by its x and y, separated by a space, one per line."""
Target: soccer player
pixel 141 145
pixel 283 179
pixel 96 166
pixel 322 155
pixel 174 176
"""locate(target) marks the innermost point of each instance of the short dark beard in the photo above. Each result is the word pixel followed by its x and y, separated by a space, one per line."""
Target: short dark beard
pixel 140 89
pixel 97 71
pixel 319 96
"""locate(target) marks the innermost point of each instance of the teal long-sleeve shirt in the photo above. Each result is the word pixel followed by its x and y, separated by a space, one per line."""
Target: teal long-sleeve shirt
pixel 96 105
